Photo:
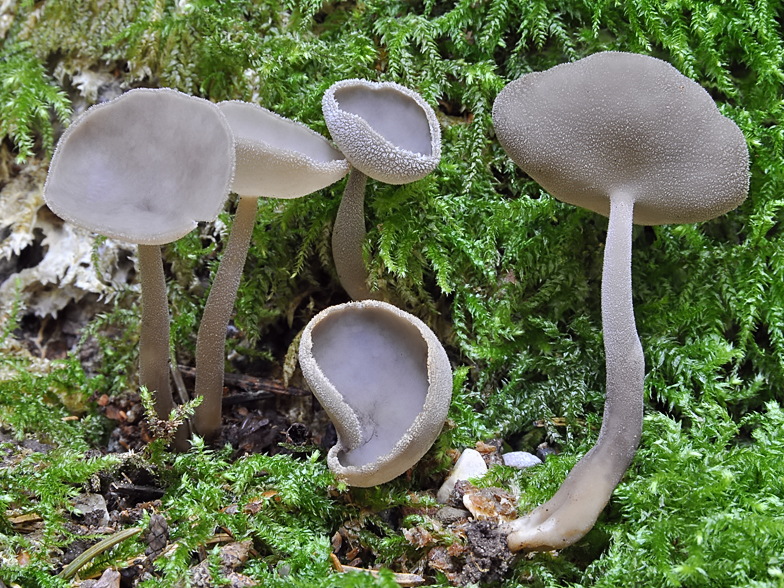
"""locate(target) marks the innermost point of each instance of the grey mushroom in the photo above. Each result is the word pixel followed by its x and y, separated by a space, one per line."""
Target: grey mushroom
pixel 387 132
pixel 144 168
pixel 276 158
pixel 385 381
pixel 629 137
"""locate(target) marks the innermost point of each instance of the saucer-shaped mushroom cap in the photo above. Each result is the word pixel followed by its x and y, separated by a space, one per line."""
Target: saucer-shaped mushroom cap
pixel 387 131
pixel 144 167
pixel 622 122
pixel 278 157
pixel 385 381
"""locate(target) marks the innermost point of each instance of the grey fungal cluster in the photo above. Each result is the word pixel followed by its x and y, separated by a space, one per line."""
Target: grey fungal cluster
pixel 620 134
pixel 629 137
pixel 147 166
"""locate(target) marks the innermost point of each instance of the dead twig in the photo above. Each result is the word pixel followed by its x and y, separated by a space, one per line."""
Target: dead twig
pixel 404 580
pixel 251 384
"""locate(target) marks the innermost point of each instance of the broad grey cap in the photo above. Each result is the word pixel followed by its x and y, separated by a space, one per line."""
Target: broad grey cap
pixel 144 167
pixel 621 122
pixel 278 157
pixel 385 381
pixel 385 130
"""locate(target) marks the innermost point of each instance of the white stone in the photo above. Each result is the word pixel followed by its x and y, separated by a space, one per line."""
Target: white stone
pixel 520 459
pixel 470 465
pixel 92 503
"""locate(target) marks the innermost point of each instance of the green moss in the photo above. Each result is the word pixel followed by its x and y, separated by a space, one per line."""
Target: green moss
pixel 508 276
pixel 27 93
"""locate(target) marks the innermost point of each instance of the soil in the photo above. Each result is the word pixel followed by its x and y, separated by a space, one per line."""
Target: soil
pixel 260 415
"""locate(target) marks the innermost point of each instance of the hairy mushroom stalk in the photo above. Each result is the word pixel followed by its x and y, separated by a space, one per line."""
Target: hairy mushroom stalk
pixel 144 168
pixel 276 158
pixel 387 132
pixel 385 381
pixel 627 136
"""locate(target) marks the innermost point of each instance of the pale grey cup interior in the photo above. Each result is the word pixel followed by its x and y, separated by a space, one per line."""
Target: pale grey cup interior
pixel 394 115
pixel 143 167
pixel 379 364
pixel 385 381
pixel 386 131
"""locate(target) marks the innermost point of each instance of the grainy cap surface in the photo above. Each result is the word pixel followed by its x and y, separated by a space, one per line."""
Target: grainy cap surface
pixel 144 167
pixel 621 122
pixel 278 157
pixel 387 131
pixel 385 381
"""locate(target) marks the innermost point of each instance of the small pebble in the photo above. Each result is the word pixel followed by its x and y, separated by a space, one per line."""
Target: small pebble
pixel 544 451
pixel 469 465
pixel 520 459
pixel 450 514
pixel 93 508
pixel 109 579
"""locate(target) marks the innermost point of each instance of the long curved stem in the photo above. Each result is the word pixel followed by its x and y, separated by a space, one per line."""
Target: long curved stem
pixel 211 341
pixel 572 512
pixel 348 235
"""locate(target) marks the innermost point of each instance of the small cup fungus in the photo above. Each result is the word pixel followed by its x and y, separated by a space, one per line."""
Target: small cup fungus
pixel 276 158
pixel 385 381
pixel 629 137
pixel 144 168
pixel 387 132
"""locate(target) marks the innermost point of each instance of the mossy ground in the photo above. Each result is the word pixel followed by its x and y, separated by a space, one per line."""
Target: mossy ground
pixel 507 276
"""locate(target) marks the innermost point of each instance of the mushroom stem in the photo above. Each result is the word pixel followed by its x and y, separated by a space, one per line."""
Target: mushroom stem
pixel 211 340
pixel 154 337
pixel 348 235
pixel 623 405
pixel 572 512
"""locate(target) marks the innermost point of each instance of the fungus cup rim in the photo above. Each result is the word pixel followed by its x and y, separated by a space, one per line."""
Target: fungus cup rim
pixel 419 436
pixel 332 110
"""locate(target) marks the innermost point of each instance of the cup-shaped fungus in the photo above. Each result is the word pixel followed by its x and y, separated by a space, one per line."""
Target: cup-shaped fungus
pixel 387 132
pixel 385 381
pixel 276 158
pixel 144 168
pixel 629 137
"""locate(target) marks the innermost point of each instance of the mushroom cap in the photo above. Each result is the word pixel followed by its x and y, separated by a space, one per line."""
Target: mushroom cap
pixel 387 131
pixel 144 167
pixel 385 381
pixel 625 123
pixel 278 157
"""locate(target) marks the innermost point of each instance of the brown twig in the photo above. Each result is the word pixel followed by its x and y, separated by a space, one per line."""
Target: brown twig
pixel 251 384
